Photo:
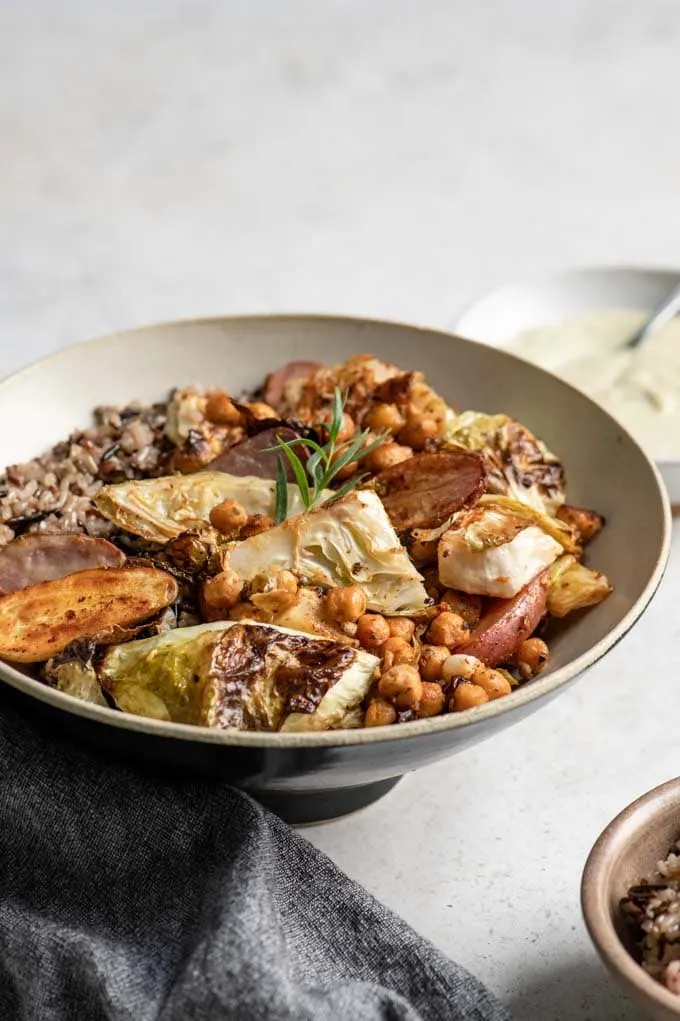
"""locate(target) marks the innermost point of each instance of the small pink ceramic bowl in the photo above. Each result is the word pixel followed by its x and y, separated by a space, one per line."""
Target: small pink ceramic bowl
pixel 626 852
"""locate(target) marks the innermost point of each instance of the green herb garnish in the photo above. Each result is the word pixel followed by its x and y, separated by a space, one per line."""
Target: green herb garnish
pixel 323 462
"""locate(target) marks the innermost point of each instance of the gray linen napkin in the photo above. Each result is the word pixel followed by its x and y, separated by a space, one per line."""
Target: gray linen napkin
pixel 129 898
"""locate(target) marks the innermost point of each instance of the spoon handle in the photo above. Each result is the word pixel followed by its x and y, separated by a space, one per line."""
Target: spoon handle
pixel 660 315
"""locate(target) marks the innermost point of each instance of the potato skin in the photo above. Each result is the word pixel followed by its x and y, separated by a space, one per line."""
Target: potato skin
pixel 40 621
pixel 507 623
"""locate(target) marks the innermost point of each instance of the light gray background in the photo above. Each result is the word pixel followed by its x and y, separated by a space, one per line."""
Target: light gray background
pixel 166 159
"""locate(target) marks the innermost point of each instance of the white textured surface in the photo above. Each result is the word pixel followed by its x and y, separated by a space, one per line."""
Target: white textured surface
pixel 164 159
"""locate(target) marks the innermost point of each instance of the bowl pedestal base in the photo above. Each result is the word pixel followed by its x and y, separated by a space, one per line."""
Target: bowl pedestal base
pixel 322 806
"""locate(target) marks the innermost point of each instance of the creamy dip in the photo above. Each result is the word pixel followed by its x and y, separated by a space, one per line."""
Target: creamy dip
pixel 640 388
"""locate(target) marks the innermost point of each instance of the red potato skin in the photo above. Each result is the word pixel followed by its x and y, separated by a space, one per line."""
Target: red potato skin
pixel 277 381
pixel 251 457
pixel 507 623
pixel 38 557
pixel 426 489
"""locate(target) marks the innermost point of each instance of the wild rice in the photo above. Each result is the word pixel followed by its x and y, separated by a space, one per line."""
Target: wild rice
pixel 653 909
pixel 53 493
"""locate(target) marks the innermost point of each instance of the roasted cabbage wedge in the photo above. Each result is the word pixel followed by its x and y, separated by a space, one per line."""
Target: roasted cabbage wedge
pixel 573 586
pixel 76 679
pixel 161 509
pixel 239 675
pixel 40 621
pixel 349 542
pixel 518 464
pixel 498 546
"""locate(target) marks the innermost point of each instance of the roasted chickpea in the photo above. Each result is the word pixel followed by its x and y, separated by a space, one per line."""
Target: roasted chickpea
pixel 345 604
pixel 417 431
pixel 287 581
pixel 246 611
pixel 384 418
pixel 493 683
pixel 269 581
pixel 431 661
pixel 347 428
pixel 460 666
pixel 424 551
pixel 401 627
pixel 467 607
pixel 220 409
pixel 431 700
pixel 431 579
pixel 380 713
pixel 228 517
pixel 447 629
pixel 261 410
pixel 347 471
pixel 386 455
pixel 466 696
pixel 396 650
pixel 531 658
pixel 274 600
pixel 402 685
pixel 223 590
pixel 372 630
pixel 255 524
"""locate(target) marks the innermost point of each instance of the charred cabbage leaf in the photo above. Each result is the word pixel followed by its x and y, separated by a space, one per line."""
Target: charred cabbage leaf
pixel 72 671
pixel 518 464
pixel 498 546
pixel 161 509
pixel 573 586
pixel 349 542
pixel 239 675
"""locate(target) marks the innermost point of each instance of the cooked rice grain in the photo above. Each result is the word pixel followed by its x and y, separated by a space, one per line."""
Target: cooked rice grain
pixel 53 493
pixel 653 909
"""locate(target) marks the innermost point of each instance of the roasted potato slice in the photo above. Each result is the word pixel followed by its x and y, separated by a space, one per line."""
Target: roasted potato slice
pixel 507 623
pixel 425 490
pixel 38 557
pixel 40 621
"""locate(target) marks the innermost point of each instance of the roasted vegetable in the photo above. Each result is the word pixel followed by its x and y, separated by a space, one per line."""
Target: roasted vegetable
pixel 586 523
pixel 38 557
pixel 507 622
pixel 254 456
pixel 573 586
pixel 427 489
pixel 243 676
pixel 498 546
pixel 78 680
pixel 40 621
pixel 518 464
pixel 349 542
pixel 161 509
pixel 282 388
pixel 307 613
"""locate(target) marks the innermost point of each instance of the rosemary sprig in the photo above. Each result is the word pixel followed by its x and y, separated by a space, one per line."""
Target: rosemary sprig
pixel 323 462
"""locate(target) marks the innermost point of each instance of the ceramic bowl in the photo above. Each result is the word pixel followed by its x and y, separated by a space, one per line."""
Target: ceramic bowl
pixel 313 776
pixel 500 316
pixel 626 852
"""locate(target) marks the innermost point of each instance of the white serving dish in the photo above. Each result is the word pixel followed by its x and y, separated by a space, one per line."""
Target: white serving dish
pixel 496 318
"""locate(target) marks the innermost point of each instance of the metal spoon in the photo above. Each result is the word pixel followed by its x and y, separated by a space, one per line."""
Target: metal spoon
pixel 664 311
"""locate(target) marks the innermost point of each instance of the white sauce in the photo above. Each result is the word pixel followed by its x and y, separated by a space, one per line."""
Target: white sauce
pixel 640 388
